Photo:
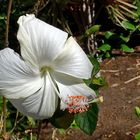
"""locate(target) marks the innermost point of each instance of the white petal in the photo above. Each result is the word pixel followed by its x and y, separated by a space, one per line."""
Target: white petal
pixel 71 86
pixel 17 79
pixel 40 105
pixel 73 61
pixel 40 42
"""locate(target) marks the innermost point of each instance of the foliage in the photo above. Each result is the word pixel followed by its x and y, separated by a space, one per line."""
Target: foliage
pixel 124 13
pixel 137 111
pixel 98 40
pixel 16 122
pixel 115 41
pixel 87 121
pixel 137 136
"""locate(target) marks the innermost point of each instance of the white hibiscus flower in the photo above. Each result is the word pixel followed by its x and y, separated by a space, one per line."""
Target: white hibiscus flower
pixel 52 65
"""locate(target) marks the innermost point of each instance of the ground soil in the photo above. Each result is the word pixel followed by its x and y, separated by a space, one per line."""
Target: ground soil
pixel 117 119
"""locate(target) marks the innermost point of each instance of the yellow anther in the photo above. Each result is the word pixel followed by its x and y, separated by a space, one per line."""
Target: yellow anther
pixel 101 99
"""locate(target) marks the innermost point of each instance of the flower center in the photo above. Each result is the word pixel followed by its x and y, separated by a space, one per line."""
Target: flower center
pixel 79 104
pixel 44 70
pixel 76 104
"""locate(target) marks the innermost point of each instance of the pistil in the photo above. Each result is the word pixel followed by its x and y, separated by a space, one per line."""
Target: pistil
pixel 79 104
pixel 76 104
pixel 44 70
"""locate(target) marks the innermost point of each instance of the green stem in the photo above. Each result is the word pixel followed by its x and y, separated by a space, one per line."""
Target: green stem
pixel 15 124
pixel 4 115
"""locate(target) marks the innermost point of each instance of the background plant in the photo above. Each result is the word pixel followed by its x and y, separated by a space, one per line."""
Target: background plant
pixel 100 26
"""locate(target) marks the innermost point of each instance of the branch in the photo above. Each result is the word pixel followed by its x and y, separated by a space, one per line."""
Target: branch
pixel 6 45
pixel 119 52
pixel 7 23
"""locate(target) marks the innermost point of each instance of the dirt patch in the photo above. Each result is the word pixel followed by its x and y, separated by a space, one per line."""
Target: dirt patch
pixel 117 119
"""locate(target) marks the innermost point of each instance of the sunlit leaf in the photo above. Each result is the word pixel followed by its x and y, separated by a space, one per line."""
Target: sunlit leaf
pixel 74 125
pixel 137 111
pixel 108 34
pixel 128 25
pixel 125 38
pixel 105 47
pixel 93 29
pixel 98 81
pixel 125 48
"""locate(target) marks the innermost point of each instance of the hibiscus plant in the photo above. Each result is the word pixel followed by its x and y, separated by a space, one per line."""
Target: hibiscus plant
pixel 51 79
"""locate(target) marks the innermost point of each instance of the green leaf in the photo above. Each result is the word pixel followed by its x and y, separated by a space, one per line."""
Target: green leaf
pixel 138 6
pixel 137 136
pixel 138 27
pixel 62 131
pixel 9 124
pixel 62 119
pixel 96 68
pixel 128 25
pixel 105 47
pixel 137 110
pixel 87 121
pixel 125 38
pixel 125 48
pixel 2 18
pixel 93 29
pixel 108 34
pixel 107 55
pixel 74 125
pixel 1 103
pixel 31 121
pixel 95 88
pixel 96 65
pixel 98 81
